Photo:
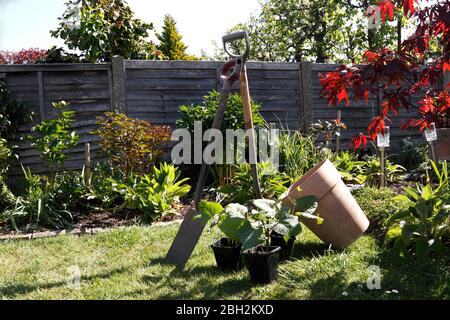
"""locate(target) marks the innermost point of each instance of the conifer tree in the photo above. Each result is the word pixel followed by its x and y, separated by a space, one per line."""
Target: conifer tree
pixel 170 44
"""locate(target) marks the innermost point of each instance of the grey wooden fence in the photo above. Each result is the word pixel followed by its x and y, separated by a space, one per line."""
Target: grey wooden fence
pixel 153 90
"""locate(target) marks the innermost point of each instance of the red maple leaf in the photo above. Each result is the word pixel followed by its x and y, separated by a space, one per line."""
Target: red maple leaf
pixel 376 126
pixel 408 6
pixel 387 9
pixel 342 95
pixel 446 66
pixel 360 139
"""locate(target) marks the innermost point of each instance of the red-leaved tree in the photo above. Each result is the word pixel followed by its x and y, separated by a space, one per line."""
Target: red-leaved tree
pixel 24 56
pixel 396 75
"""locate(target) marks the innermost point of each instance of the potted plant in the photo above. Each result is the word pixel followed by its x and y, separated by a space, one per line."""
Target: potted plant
pixel 267 217
pixel 250 228
pixel 227 250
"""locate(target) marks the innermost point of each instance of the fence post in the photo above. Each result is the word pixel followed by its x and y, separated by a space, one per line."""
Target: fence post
pixel 119 85
pixel 305 95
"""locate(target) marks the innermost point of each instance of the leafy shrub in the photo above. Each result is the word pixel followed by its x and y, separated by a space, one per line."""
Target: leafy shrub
pixel 326 131
pixel 297 154
pixel 351 169
pixel 424 227
pixel 205 112
pixel 378 204
pixel 131 145
pixel 53 139
pixel 13 113
pixel 240 187
pixel 101 29
pixel 412 156
pixel 152 194
pixel 47 204
pixel 372 171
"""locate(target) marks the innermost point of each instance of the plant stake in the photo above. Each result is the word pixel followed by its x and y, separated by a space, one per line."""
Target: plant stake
pixel 382 143
pixel 430 136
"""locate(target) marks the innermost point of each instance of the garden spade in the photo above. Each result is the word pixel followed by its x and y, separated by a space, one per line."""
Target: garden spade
pixel 191 229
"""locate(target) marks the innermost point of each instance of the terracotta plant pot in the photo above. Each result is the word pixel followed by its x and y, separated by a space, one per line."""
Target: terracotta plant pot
pixel 344 221
pixel 443 144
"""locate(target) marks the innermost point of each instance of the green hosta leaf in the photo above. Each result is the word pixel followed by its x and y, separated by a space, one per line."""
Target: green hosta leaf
pixel 393 233
pixel 400 215
pixel 412 193
pixel 306 204
pixel 427 192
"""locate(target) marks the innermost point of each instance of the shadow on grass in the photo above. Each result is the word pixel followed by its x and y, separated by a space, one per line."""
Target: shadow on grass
pixel 308 249
pixel 14 290
pixel 204 278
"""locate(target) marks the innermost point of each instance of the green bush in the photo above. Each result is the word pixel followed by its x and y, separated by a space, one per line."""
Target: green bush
pixel 378 205
pixel 413 156
pixel 151 195
pixel 423 228
pixel 53 138
pixel 205 112
pixel 6 198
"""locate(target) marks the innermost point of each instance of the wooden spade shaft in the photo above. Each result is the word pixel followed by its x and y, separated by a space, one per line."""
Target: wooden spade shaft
pixel 246 103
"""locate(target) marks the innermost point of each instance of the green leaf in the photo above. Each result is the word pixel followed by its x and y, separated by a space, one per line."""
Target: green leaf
pixel 264 205
pixel 209 209
pixel 306 204
pixel 393 233
pixel 250 237
pixel 236 210
pixel 308 216
pixel 232 227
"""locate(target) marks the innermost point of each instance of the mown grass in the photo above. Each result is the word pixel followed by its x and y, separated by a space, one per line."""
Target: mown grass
pixel 129 263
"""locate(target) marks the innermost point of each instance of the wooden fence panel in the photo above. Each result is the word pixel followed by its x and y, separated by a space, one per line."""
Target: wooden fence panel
pixel 153 90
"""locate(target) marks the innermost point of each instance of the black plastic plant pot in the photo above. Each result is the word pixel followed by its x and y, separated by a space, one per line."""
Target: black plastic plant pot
pixel 262 264
pixel 287 248
pixel 227 253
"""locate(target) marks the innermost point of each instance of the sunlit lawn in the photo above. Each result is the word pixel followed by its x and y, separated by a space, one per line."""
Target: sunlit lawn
pixel 129 264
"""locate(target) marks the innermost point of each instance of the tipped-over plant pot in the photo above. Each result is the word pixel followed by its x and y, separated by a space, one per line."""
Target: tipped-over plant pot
pixel 277 240
pixel 227 253
pixel 344 221
pixel 443 144
pixel 262 264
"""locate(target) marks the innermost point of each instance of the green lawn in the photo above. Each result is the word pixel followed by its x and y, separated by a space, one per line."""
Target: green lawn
pixel 129 264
